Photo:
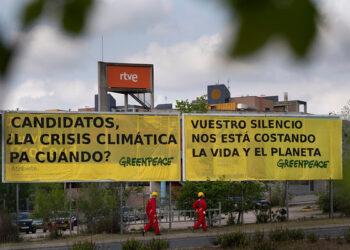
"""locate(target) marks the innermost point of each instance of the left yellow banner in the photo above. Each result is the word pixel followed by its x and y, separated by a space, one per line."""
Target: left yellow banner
pixel 58 147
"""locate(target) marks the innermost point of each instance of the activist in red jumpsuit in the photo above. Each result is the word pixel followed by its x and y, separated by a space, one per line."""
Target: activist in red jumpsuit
pixel 200 206
pixel 152 215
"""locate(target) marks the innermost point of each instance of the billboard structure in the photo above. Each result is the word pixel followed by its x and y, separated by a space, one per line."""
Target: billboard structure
pixel 125 78
pixel 67 147
pixel 70 147
pixel 129 77
pixel 261 148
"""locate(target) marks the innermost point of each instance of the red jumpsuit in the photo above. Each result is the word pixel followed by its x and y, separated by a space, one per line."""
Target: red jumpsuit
pixel 200 206
pixel 152 216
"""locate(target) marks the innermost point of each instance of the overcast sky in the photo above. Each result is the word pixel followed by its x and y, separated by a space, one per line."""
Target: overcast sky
pixel 185 40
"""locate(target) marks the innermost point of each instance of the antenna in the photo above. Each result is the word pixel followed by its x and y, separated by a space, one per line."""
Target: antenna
pixel 102 47
pixel 228 84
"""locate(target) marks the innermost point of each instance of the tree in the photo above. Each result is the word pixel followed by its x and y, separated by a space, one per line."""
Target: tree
pixel 49 198
pixel 226 192
pixel 345 111
pixel 8 190
pixel 341 198
pixel 70 15
pixel 261 21
pixel 198 106
pixel 100 205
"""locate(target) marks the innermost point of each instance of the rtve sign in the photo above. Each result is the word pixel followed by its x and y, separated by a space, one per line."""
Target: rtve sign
pixel 131 76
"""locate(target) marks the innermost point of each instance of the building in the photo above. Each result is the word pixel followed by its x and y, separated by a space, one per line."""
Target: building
pixel 219 98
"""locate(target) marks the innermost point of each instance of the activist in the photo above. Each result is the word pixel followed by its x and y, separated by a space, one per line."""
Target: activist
pixel 200 206
pixel 152 215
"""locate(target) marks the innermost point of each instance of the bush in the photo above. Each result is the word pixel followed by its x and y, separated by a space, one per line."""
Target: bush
pixel 327 237
pixel 132 244
pixel 339 239
pixel 323 202
pixel 284 235
pixel 157 244
pixel 8 230
pixel 154 244
pixel 262 215
pixel 231 220
pixel 236 239
pixel 279 235
pixel 55 234
pixel 265 246
pixel 277 194
pixel 312 237
pixel 258 236
pixel 262 218
pixel 87 245
pixel 281 215
pixel 107 224
pixel 347 236
pixel 295 235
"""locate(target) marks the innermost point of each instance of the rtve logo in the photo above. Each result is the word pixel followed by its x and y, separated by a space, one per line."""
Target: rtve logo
pixel 128 77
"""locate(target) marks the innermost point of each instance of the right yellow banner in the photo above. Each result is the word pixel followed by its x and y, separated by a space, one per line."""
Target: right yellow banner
pixel 240 148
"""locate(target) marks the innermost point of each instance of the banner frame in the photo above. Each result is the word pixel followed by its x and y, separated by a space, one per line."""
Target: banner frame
pixel 273 115
pixel 173 113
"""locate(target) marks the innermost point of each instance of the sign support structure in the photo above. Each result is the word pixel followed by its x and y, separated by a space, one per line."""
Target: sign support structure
pixel 125 78
pixel 261 147
pixel 105 84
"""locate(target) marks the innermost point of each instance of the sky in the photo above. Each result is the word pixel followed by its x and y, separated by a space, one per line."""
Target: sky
pixel 185 41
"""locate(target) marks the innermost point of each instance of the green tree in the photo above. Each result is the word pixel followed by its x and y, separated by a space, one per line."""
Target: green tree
pixel 198 106
pixel 101 207
pixel 49 198
pixel 341 198
pixel 345 111
pixel 226 192
pixel 262 21
pixel 8 190
pixel 70 15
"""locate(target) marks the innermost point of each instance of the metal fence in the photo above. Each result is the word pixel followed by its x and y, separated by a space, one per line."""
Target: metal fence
pixel 213 216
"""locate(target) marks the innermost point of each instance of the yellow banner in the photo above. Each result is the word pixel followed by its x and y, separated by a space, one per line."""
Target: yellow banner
pixel 262 148
pixel 57 147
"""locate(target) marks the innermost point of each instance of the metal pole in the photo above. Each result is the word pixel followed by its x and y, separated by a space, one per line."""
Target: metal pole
pixel 70 209
pixel 331 199
pixel 170 208
pixel 144 208
pixel 242 201
pixel 286 201
pixel 220 213
pixel 121 207
pixel 102 87
pixel 126 102
pixel 17 201
pixel 270 199
pixel 152 94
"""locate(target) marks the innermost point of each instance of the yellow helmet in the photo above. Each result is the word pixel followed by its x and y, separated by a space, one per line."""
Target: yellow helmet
pixel 200 194
pixel 154 194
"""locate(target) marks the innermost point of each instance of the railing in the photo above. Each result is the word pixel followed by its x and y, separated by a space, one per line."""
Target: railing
pixel 213 216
